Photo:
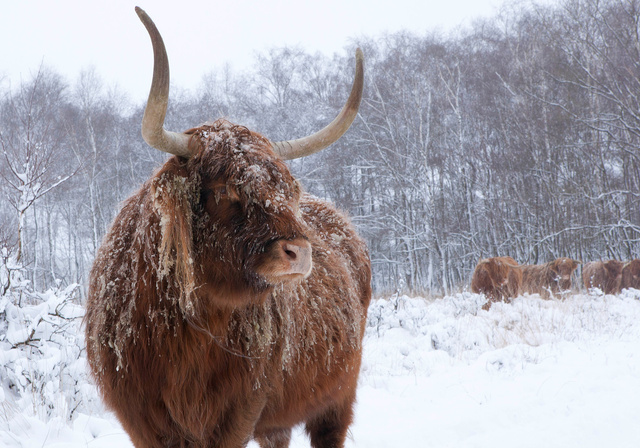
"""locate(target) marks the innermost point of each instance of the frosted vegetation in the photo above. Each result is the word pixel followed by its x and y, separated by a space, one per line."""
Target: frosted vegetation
pixel 436 372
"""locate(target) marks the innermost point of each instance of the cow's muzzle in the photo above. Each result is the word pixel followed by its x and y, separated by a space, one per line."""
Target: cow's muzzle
pixel 287 260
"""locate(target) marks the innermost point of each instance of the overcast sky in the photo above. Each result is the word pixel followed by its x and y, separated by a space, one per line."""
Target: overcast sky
pixel 71 35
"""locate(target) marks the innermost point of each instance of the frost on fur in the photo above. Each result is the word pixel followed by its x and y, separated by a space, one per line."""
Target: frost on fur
pixel 198 301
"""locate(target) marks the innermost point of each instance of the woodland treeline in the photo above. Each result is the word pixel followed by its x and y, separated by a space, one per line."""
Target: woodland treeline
pixel 518 135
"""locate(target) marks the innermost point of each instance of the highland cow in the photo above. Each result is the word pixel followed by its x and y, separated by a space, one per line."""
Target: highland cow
pixel 604 275
pixel 630 275
pixel 552 278
pixel 498 278
pixel 225 304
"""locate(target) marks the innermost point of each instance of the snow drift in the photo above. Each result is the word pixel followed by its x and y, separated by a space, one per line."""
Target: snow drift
pixel 436 373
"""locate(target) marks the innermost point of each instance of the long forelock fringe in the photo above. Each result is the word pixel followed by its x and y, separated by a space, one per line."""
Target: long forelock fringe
pixel 171 198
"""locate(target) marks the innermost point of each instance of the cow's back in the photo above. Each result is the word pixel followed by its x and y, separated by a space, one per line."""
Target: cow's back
pixel 605 275
pixel 338 248
pixel 592 274
pixel 631 275
pixel 498 278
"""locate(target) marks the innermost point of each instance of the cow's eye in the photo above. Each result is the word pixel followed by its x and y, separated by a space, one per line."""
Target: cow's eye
pixel 225 193
pixel 205 194
pixel 217 192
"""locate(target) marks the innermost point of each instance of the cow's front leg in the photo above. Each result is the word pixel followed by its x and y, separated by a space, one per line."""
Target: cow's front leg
pixel 236 427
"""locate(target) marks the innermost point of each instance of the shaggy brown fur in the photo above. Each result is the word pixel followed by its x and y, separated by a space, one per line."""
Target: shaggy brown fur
pixel 631 275
pixel 194 336
pixel 552 278
pixel 605 275
pixel 498 278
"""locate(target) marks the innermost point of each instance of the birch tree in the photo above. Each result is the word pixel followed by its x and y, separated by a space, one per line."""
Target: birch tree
pixel 31 143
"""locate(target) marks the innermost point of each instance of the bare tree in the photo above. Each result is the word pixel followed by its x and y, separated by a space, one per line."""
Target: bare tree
pixel 31 145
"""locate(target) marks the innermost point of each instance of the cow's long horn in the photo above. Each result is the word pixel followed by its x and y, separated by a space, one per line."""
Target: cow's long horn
pixel 153 130
pixel 293 149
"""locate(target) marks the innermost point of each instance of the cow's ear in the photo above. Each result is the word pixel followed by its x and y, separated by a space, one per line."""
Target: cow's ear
pixel 173 194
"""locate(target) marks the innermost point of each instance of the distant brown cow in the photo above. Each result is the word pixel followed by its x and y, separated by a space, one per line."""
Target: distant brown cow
pixel 631 275
pixel 605 275
pixel 550 278
pixel 498 278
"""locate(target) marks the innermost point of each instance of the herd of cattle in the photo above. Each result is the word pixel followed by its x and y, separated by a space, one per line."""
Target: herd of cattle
pixel 225 305
pixel 502 278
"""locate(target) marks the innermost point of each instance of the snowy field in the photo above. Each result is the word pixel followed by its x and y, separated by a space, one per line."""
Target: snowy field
pixel 436 373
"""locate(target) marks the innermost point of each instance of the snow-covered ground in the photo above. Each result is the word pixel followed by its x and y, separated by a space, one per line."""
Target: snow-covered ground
pixel 436 373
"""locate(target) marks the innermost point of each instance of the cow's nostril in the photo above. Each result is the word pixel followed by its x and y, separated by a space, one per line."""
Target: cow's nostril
pixel 296 256
pixel 291 254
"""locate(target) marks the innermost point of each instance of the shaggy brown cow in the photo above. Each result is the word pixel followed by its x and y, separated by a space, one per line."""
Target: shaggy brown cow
pixel 498 278
pixel 224 304
pixel 631 275
pixel 605 275
pixel 550 278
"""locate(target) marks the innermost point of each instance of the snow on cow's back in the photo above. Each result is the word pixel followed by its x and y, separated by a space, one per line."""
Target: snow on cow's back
pixel 340 239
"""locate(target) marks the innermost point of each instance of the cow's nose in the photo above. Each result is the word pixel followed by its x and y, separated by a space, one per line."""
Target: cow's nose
pixel 297 253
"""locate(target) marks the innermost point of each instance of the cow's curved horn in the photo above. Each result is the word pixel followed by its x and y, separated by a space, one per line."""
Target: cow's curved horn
pixel 153 131
pixel 293 149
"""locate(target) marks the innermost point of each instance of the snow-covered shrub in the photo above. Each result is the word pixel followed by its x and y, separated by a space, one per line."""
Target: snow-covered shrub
pixel 416 334
pixel 42 360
